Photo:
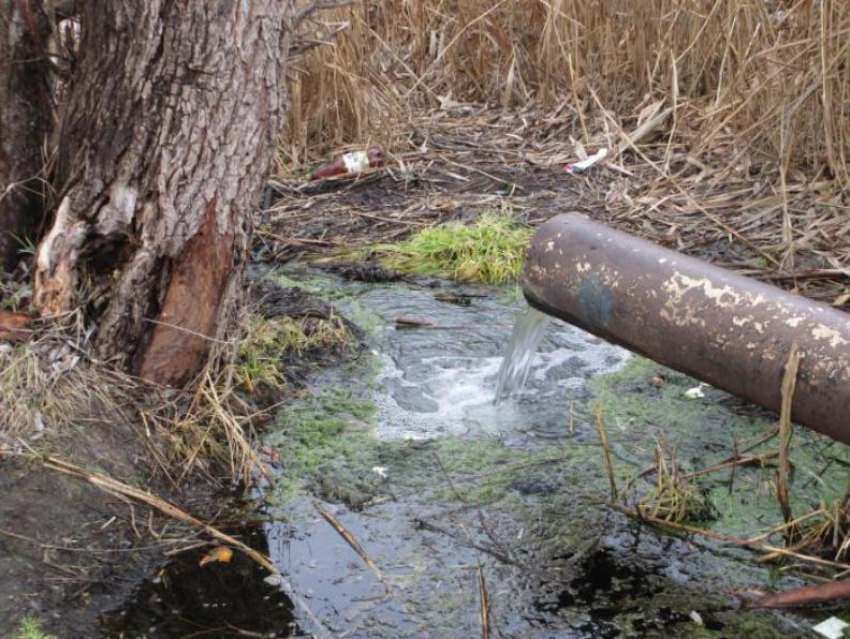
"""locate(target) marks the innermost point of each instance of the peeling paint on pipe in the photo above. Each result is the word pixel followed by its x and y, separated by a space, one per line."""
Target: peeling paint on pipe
pixel 725 329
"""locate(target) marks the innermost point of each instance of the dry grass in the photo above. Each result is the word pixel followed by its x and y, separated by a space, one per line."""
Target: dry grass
pixel 776 73
pixel 826 531
pixel 54 383
pixel 743 108
pixel 675 497
pixel 46 384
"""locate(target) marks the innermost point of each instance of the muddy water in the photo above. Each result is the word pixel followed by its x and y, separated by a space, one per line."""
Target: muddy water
pixel 405 492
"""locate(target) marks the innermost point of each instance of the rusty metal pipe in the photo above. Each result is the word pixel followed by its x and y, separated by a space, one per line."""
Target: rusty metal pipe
pixel 725 329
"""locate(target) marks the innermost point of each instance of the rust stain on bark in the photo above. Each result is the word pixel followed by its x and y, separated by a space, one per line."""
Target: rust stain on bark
pixel 187 322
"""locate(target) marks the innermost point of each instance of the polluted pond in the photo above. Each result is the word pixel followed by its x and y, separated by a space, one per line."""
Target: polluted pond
pixel 407 503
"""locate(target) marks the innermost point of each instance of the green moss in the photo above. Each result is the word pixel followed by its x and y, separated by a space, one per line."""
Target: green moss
pixel 30 628
pixel 322 433
pixel 489 251
pixel 286 281
pixel 267 341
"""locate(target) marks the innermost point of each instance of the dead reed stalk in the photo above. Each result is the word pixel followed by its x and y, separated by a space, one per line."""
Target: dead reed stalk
pixel 774 74
pixel 606 449
pixel 789 383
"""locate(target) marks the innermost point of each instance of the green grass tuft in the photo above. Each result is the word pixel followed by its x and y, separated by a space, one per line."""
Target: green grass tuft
pixel 30 628
pixel 490 251
pixel 268 340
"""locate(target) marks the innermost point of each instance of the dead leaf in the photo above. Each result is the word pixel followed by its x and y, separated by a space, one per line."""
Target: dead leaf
pixel 14 326
pixel 219 554
pixel 841 300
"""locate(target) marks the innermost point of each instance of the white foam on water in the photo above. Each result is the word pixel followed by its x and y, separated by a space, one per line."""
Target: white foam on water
pixel 460 390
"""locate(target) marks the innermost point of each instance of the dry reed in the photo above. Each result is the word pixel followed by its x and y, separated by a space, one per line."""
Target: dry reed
pixel 776 74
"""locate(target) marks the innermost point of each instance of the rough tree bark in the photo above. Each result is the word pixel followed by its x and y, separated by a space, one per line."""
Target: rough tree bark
pixel 169 133
pixel 25 119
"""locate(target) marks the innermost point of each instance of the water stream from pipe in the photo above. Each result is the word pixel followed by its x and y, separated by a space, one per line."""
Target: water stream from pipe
pixel 528 332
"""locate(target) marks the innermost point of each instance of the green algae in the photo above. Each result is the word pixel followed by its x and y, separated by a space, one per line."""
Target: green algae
pixel 329 290
pixel 319 432
pixel 646 400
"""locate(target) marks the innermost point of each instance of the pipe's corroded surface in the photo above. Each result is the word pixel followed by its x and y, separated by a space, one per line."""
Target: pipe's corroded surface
pixel 728 330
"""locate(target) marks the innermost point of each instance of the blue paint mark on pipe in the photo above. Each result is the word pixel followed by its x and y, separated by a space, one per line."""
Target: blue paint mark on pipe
pixel 595 302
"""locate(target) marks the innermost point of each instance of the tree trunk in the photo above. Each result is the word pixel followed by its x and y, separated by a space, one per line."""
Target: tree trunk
pixel 169 132
pixel 25 117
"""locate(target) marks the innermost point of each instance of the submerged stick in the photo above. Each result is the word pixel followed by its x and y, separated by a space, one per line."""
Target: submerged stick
pixel 485 604
pixel 493 552
pixel 804 595
pixel 736 455
pixel 351 541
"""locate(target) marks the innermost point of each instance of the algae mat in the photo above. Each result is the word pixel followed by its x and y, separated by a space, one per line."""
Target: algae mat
pixel 433 492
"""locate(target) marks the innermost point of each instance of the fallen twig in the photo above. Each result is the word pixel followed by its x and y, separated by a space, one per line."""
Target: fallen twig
pixel 351 541
pixel 301 240
pixel 485 604
pixel 606 449
pixel 789 383
pixel 740 461
pixel 804 595
pixel 412 322
pixel 114 486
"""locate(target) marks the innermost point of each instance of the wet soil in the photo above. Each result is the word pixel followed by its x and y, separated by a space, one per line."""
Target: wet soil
pixel 386 206
pixel 219 600
pixel 72 554
pixel 70 551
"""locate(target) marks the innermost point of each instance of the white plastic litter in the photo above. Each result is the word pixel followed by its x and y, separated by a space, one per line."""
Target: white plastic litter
pixel 380 470
pixel 695 392
pixel 696 618
pixel 583 165
pixel 356 161
pixel 832 628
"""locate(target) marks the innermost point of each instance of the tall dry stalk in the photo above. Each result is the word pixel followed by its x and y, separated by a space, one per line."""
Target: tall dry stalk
pixel 789 383
pixel 777 74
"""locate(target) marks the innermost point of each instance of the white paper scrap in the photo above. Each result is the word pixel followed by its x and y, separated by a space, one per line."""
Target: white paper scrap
pixel 695 392
pixel 832 628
